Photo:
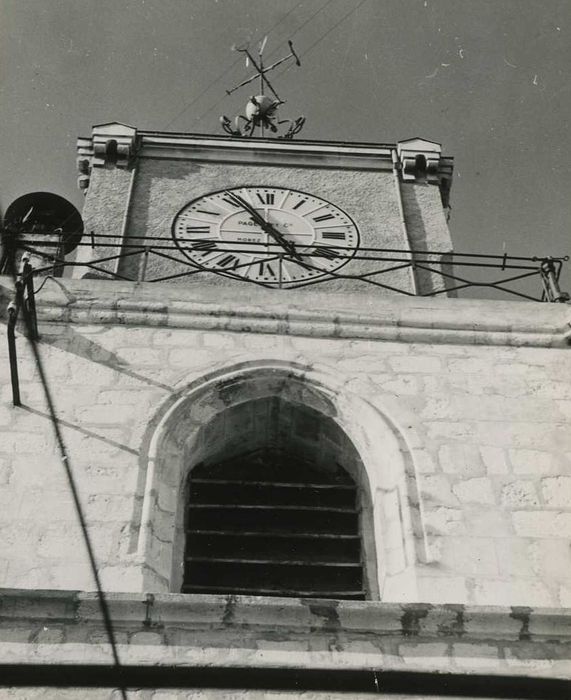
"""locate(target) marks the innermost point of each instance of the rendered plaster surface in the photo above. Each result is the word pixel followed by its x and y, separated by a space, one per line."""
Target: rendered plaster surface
pixel 145 200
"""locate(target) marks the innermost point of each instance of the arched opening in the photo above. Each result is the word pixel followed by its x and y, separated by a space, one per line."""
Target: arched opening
pixel 281 423
pixel 274 508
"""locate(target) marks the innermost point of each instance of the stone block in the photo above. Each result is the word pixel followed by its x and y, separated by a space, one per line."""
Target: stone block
pixel 445 590
pixel 513 557
pixel 556 491
pixel 494 459
pixel 470 365
pixel 487 521
pixel 523 435
pixel 437 489
pixel 147 638
pixel 526 461
pixel 6 471
pixel 418 364
pixel 109 507
pixel 564 596
pixel 512 591
pixel 459 459
pixel 165 337
pixel 444 521
pixel 450 431
pixel 50 635
pixel 108 414
pixel 469 556
pixel 531 666
pixel 424 462
pixel 542 524
pixel 403 385
pixel 475 656
pixel 191 358
pixel 424 655
pixel 477 490
pixel 519 494
pixel 218 340
pixel 550 559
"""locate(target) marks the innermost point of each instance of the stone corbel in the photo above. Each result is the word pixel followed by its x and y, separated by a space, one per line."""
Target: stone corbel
pixel 419 160
pixel 111 145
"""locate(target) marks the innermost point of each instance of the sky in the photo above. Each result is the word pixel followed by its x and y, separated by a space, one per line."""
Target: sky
pixel 489 79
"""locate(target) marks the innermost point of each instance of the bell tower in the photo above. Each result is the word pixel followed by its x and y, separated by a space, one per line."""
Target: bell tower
pixel 298 462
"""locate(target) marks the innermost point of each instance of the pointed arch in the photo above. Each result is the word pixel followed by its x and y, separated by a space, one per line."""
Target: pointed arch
pixel 189 429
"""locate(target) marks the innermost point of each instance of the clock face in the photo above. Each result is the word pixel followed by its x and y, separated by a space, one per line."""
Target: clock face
pixel 273 236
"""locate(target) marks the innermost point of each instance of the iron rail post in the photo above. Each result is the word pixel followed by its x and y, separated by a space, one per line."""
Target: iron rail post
pixel 551 283
pixel 30 300
pixel 11 328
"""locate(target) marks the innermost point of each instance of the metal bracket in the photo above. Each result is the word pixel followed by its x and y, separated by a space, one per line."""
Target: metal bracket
pixel 25 300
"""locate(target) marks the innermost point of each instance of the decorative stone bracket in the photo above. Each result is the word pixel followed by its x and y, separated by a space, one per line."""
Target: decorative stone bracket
pixel 111 145
pixel 419 160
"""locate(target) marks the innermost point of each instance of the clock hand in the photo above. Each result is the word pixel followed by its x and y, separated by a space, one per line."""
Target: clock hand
pixel 266 226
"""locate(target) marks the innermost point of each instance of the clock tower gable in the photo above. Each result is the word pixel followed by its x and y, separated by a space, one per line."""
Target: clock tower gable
pixel 388 205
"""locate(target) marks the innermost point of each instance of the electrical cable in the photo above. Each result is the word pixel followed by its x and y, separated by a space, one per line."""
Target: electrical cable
pixel 225 72
pixel 64 457
pixel 219 101
pixel 305 53
pixel 327 33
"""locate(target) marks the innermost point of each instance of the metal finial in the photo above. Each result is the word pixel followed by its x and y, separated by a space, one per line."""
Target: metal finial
pixel 261 110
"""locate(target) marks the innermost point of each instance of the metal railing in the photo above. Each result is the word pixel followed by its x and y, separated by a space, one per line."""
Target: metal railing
pixel 504 270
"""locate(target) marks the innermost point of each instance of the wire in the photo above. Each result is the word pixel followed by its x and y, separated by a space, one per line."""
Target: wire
pixel 225 72
pixel 219 101
pixel 328 2
pixel 64 457
pixel 327 33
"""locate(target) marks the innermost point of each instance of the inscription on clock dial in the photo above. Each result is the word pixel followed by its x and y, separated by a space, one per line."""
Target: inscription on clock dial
pixel 274 236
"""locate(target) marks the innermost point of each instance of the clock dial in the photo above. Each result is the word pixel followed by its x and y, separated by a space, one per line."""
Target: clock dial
pixel 273 236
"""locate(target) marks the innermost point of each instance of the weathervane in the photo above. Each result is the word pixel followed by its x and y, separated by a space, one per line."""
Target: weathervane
pixel 262 110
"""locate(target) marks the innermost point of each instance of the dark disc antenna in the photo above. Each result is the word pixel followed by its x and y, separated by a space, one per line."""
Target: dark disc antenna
pixel 261 111
pixel 43 224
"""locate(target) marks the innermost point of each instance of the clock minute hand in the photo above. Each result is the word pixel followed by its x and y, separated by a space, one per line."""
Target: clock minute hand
pixel 266 226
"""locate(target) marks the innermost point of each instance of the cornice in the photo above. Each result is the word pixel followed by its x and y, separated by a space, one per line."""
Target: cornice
pixel 129 143
pixel 304 312
pixel 243 631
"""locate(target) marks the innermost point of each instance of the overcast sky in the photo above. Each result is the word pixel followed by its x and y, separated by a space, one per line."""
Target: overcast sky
pixel 489 79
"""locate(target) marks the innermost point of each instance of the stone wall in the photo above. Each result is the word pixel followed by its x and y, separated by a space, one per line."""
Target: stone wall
pixel 480 432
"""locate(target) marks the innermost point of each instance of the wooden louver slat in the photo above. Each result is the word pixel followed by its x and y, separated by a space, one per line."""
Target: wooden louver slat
pixel 260 537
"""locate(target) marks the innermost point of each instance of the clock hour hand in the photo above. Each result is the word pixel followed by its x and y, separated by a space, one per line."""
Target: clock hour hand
pixel 266 226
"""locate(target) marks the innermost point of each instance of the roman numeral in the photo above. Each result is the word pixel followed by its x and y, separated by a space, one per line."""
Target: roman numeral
pixel 334 235
pixel 203 244
pixel 300 203
pixel 266 198
pixel 324 251
pixel 229 261
pixel 264 268
pixel 323 217
pixel 205 211
pixel 198 229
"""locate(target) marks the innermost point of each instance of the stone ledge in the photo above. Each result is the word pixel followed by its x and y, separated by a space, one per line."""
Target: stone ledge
pixel 205 630
pixel 303 312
